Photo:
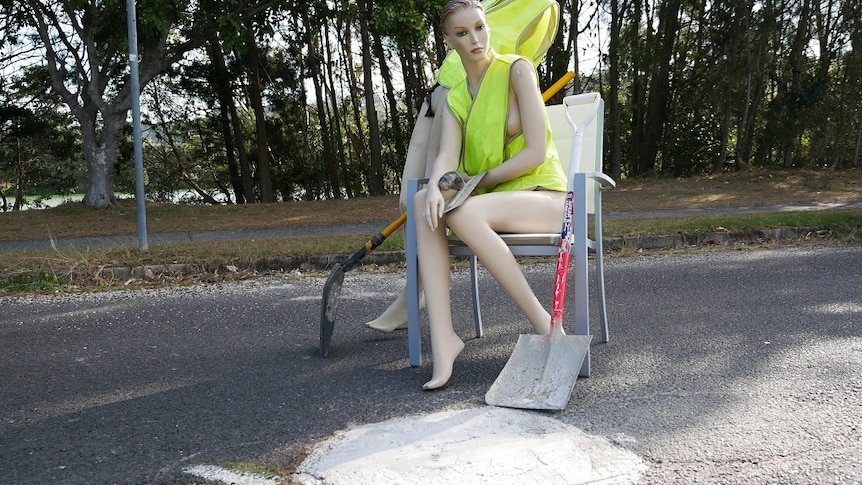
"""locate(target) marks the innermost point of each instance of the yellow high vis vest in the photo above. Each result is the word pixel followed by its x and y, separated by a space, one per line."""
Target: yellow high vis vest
pixel 483 128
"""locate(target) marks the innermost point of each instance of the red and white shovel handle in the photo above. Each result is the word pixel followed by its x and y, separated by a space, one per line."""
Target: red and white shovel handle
pixel 562 274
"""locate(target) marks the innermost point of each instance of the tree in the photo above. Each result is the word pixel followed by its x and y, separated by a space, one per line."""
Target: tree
pixel 231 128
pixel 92 85
pixel 253 63
pixel 85 53
pixel 662 50
pixel 691 87
pixel 618 10
pixel 37 144
pixel 375 182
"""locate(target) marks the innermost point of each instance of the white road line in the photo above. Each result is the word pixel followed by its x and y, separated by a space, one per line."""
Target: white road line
pixel 219 474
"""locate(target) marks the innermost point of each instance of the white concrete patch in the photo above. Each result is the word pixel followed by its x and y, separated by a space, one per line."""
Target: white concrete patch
pixel 219 474
pixel 477 446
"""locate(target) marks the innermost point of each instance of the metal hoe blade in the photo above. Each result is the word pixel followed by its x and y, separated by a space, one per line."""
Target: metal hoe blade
pixel 329 307
pixel 541 372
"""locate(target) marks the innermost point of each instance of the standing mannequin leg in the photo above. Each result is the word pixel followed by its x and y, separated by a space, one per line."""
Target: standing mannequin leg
pixel 424 145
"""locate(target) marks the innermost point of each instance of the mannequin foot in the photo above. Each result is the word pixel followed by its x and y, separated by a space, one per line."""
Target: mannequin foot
pixel 395 317
pixel 381 324
pixel 444 359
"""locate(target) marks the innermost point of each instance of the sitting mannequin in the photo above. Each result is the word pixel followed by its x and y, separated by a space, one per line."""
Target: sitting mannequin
pixel 525 27
pixel 498 117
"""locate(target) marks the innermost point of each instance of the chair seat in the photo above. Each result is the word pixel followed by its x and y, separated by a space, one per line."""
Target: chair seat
pixel 538 244
pixel 534 239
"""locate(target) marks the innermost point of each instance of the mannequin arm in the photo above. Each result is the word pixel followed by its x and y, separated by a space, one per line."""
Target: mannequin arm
pixel 532 113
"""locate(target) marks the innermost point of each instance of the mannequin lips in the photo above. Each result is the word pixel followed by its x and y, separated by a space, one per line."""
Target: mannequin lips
pixel 477 50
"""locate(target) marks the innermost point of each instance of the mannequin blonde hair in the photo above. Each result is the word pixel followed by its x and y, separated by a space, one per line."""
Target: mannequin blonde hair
pixel 454 6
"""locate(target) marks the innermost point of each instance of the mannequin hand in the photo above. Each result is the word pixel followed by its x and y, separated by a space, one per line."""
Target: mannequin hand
pixel 453 180
pixel 434 203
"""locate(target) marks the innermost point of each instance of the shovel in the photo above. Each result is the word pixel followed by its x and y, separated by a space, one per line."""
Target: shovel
pixel 332 287
pixel 542 370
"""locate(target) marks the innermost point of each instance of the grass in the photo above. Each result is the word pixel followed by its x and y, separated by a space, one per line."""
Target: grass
pixel 79 270
pixel 842 224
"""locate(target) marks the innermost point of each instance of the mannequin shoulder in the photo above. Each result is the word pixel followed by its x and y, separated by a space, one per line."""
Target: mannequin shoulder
pixel 522 72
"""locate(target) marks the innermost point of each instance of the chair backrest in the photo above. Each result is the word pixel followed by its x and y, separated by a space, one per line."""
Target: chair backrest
pixel 563 135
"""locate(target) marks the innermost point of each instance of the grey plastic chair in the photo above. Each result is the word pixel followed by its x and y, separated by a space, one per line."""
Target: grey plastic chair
pixel 577 121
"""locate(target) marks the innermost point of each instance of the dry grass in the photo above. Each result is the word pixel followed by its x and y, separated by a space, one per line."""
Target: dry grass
pixel 216 261
pixel 736 190
pixel 75 220
pixel 729 190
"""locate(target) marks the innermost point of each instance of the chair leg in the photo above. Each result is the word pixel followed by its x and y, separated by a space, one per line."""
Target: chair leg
pixel 580 274
pixel 600 266
pixel 474 286
pixel 414 334
pixel 600 290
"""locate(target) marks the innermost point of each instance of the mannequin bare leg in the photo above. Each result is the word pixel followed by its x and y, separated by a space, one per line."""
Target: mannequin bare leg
pixel 433 250
pixel 477 223
pixel 395 316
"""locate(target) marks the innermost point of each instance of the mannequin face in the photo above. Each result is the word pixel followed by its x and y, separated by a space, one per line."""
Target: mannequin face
pixel 467 32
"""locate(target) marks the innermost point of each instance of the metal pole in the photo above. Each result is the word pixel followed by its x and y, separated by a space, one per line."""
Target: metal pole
pixel 140 197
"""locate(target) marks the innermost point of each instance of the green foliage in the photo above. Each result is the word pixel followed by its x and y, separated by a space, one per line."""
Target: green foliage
pixel 39 147
pixel 404 21
pixel 33 282
pixel 731 60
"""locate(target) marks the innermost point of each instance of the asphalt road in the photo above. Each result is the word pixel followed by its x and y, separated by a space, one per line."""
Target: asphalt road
pixel 723 367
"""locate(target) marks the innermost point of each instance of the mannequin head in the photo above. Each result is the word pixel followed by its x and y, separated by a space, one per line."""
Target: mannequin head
pixel 465 27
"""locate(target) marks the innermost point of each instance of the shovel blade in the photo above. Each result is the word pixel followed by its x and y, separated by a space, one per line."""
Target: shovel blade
pixel 541 372
pixel 329 307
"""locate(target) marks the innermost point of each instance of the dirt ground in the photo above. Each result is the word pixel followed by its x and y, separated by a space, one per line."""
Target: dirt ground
pixel 749 188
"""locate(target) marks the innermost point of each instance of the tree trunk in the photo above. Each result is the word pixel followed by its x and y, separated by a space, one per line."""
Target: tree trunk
pixel 351 180
pixel 19 178
pixel 858 146
pixel 355 153
pixel 614 133
pixel 100 156
pixel 314 66
pixel 375 179
pixel 659 85
pixel 638 87
pixel 394 116
pixel 794 113
pixel 413 88
pixel 264 172
pixel 225 97
pixel 756 49
pixel 572 44
pixel 721 156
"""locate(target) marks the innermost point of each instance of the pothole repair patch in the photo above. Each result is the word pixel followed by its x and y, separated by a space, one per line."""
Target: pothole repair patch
pixel 481 445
